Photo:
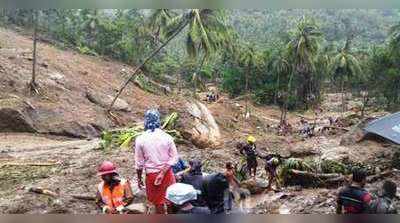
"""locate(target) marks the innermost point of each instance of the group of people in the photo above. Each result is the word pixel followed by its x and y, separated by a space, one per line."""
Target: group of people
pixel 174 187
pixel 212 97
pixel 170 186
pixel 272 161
pixel 355 199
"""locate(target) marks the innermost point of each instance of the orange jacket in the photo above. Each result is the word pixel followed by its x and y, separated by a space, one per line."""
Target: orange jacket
pixel 114 198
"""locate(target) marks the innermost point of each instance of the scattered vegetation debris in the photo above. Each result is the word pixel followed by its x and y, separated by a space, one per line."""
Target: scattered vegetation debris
pixel 123 138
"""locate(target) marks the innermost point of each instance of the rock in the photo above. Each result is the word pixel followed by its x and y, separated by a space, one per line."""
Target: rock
pixel 254 186
pixel 75 129
pixel 302 151
pixel 396 160
pixel 56 76
pixel 356 134
pixel 15 116
pixel 104 101
pixel 204 131
pixel 244 193
pixel 137 208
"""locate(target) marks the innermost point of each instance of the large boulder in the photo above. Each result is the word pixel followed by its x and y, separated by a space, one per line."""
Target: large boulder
pixel 75 129
pixel 204 131
pixel 254 186
pixel 355 135
pixel 104 101
pixel 15 115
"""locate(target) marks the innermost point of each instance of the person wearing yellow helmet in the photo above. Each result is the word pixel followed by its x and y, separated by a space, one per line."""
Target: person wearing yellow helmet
pixel 250 152
pixel 251 140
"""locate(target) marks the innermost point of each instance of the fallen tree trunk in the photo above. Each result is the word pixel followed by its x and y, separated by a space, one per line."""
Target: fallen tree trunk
pixel 84 197
pixel 305 178
pixel 316 175
pixel 334 127
pixel 27 164
pixel 379 176
pixel 40 190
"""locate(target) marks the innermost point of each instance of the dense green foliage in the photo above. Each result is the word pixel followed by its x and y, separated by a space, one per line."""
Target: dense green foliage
pixel 281 57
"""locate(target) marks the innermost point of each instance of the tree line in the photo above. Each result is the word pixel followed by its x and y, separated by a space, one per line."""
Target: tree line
pixel 292 69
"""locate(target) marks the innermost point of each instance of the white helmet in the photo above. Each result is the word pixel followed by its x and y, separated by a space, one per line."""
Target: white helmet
pixel 180 193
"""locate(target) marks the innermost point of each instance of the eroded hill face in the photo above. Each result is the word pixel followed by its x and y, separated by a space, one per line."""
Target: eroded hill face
pixel 74 91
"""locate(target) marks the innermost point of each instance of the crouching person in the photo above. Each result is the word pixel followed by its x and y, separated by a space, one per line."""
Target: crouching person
pixel 181 195
pixel 113 193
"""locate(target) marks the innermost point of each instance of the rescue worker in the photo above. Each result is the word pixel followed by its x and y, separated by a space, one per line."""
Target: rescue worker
pixel 155 153
pixel 384 204
pixel 354 199
pixel 250 152
pixel 271 164
pixel 113 193
pixel 181 195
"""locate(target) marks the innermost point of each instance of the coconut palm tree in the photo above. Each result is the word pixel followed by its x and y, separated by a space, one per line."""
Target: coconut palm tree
pixel 90 21
pixel 343 66
pixel 249 59
pixel 281 66
pixel 303 49
pixel 158 20
pixel 395 38
pixel 206 32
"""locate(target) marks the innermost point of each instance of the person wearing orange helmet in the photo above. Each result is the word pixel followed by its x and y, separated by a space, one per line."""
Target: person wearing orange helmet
pixel 113 192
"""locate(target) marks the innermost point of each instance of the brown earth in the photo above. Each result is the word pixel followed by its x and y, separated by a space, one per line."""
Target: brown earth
pixel 64 110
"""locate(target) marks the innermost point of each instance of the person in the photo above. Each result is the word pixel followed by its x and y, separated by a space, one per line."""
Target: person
pixel 212 97
pixel 113 193
pixel 306 128
pixel 179 167
pixel 249 151
pixel 384 204
pixel 271 164
pixel 234 184
pixel 214 190
pixel 181 195
pixel 155 153
pixel 354 199
pixel 194 177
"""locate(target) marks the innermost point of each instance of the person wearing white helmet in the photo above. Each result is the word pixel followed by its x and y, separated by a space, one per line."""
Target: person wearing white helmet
pixel 272 162
pixel 181 195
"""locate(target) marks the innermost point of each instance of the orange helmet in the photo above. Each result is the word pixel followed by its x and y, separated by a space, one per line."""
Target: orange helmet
pixel 106 167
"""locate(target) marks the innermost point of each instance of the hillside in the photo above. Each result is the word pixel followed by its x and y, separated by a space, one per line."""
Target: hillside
pixel 62 124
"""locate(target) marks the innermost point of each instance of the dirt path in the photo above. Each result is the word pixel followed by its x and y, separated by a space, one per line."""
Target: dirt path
pixel 73 173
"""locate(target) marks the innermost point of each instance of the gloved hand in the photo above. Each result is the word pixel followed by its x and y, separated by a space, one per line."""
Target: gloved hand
pixel 106 209
pixel 120 209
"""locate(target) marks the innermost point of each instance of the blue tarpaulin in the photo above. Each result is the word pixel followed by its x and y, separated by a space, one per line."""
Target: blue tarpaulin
pixel 387 127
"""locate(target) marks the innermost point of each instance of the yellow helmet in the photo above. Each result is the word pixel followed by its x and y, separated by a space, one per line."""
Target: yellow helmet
pixel 251 139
